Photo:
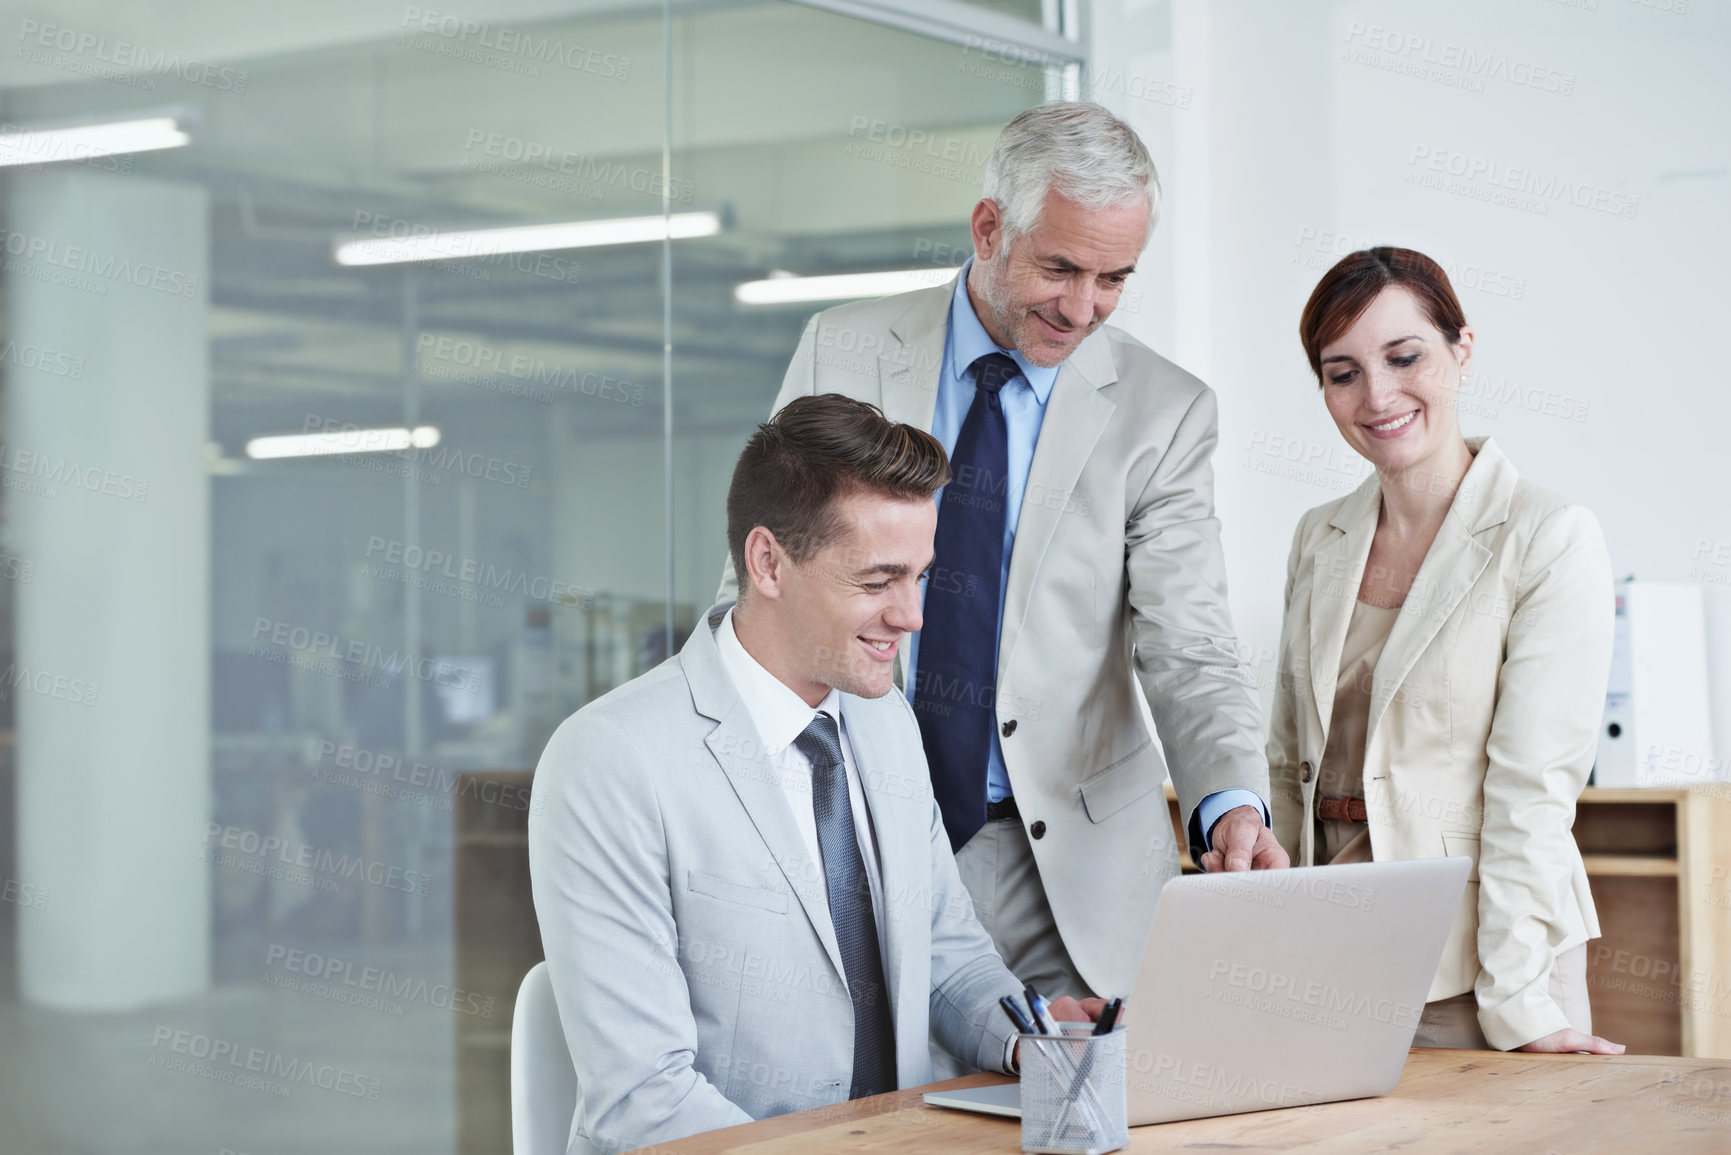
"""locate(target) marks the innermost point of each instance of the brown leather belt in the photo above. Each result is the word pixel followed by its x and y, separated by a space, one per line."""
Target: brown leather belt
pixel 1342 809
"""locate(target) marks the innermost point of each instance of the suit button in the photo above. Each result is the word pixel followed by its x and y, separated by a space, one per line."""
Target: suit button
pixel 1008 728
pixel 1304 771
pixel 1037 830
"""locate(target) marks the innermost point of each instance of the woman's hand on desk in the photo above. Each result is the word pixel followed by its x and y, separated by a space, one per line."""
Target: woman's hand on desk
pixel 1569 1040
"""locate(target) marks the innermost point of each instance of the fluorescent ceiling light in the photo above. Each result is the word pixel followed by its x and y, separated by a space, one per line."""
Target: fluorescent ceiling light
pixel 343 441
pixel 787 290
pixel 458 244
pixel 21 145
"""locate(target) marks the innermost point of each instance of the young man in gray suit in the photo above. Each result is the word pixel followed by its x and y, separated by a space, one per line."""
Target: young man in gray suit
pixel 1077 555
pixel 742 878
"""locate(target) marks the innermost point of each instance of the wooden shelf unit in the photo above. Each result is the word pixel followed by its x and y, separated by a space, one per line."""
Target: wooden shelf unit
pixel 1630 865
pixel 1659 863
pixel 1181 839
pixel 497 941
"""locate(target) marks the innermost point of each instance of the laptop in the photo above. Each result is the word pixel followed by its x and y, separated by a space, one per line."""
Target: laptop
pixel 1275 988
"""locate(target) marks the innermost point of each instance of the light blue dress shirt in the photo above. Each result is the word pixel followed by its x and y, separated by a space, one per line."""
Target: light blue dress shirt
pixel 1024 401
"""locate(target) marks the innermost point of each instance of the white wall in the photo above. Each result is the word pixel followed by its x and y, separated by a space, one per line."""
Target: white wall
pixel 1307 136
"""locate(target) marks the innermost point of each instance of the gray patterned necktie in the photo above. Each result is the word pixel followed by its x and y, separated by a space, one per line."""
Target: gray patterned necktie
pixel 850 909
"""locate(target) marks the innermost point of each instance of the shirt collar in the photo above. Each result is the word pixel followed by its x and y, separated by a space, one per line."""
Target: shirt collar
pixel 969 341
pixel 779 714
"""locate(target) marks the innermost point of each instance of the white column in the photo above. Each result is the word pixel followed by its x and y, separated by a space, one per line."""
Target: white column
pixel 106 417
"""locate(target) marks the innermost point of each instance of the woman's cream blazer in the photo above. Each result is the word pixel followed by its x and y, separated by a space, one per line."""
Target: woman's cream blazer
pixel 1484 719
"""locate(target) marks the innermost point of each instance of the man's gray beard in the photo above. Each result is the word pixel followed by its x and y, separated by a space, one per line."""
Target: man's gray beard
pixel 1008 322
pixel 1014 325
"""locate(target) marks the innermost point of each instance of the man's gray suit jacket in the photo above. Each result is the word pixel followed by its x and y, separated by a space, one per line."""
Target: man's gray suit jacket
pixel 686 926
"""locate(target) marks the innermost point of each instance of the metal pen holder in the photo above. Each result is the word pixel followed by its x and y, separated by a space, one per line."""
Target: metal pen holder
pixel 1073 1093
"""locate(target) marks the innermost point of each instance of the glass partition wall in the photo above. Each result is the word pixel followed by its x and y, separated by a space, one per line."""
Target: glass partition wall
pixel 324 500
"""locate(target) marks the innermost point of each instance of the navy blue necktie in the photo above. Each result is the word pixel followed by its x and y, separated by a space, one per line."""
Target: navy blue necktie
pixel 850 910
pixel 955 684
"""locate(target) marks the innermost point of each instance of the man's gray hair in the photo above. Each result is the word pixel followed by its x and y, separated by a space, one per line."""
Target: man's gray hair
pixel 1075 148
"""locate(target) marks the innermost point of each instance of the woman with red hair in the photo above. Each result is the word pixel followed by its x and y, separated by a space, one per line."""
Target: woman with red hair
pixel 1444 657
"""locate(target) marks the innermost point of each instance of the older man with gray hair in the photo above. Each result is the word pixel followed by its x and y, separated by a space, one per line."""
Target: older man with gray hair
pixel 1078 561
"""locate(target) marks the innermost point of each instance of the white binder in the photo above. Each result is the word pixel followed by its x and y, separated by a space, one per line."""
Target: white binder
pixel 1657 729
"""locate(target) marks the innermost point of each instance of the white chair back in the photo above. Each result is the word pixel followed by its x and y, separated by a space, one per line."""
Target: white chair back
pixel 543 1081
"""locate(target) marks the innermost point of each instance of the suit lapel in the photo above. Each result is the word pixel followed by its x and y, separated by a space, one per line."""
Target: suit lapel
pixel 910 367
pixel 1449 570
pixel 1338 568
pixel 909 372
pixel 737 747
pixel 1451 566
pixel 1076 416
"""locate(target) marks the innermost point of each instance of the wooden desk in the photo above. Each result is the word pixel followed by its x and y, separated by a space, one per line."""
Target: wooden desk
pixel 1472 1101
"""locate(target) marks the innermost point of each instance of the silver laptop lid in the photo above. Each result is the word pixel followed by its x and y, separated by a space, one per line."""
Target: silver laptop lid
pixel 1278 988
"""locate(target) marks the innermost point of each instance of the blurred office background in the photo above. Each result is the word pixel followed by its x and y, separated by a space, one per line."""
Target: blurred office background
pixel 266 721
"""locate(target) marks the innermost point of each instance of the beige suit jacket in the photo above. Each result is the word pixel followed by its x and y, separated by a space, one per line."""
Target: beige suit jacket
pixel 1117 578
pixel 1485 710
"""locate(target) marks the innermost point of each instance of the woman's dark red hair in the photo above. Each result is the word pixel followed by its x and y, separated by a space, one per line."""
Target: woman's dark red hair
pixel 1347 290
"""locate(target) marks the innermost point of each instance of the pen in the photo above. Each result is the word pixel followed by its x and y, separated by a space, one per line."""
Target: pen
pixel 1017 1018
pixel 1038 1020
pixel 1108 1017
pixel 1043 1016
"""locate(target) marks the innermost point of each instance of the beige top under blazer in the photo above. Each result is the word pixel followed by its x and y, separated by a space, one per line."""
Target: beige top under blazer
pixel 1484 719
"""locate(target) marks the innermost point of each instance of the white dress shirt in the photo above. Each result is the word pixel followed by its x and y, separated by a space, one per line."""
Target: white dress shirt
pixel 780 716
